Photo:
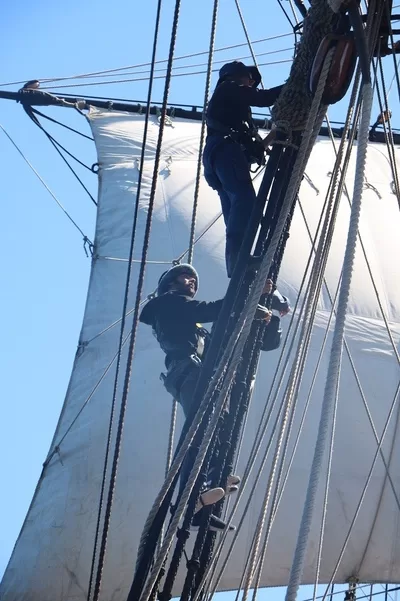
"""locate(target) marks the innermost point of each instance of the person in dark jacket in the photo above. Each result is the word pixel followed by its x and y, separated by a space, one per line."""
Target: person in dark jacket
pixel 176 319
pixel 232 145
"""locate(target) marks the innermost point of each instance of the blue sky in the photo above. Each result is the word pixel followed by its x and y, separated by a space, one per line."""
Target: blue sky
pixel 44 268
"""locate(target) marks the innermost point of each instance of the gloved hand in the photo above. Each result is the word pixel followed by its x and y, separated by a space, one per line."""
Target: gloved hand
pixel 263 314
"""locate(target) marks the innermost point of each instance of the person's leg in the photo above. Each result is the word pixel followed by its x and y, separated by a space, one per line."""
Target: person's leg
pixel 231 167
pixel 185 399
pixel 211 177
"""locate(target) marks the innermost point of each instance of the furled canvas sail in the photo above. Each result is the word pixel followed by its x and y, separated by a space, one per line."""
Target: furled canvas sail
pixel 52 557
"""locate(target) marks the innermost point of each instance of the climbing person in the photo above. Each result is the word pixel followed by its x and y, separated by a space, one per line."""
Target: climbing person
pixel 176 317
pixel 232 145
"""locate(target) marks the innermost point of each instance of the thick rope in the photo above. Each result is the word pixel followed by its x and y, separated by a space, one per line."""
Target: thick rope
pixel 337 345
pixel 293 104
pixel 236 341
pixel 313 125
pixel 121 417
pixel 355 374
pixel 203 130
pixel 363 493
pixel 295 177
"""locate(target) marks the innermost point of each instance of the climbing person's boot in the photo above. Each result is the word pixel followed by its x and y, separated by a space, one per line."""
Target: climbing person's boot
pixel 209 497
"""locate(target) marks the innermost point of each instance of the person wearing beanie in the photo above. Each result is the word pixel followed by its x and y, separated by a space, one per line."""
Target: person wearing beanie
pixel 176 319
pixel 233 145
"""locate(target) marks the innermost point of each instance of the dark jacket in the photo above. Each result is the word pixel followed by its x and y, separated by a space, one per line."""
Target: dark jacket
pixel 176 321
pixel 272 335
pixel 230 104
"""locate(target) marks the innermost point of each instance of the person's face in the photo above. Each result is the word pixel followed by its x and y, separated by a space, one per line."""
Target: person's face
pixel 246 80
pixel 186 283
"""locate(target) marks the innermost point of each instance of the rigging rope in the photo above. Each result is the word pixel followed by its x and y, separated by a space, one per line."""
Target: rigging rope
pixel 389 134
pixel 337 344
pixel 104 83
pixel 191 55
pixel 29 112
pixel 76 131
pixel 124 399
pixel 253 56
pixel 85 238
pixel 203 130
pixel 238 338
pixel 309 136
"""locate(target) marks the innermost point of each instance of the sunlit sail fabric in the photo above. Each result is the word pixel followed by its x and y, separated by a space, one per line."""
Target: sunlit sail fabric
pixel 52 557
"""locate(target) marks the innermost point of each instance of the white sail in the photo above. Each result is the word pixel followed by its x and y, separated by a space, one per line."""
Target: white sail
pixel 52 557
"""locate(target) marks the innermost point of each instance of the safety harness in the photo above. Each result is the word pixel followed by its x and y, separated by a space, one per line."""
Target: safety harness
pixel 181 366
pixel 248 138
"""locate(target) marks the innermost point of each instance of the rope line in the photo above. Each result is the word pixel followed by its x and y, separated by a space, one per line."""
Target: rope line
pixel 253 56
pixel 85 238
pixel 261 431
pixel 313 124
pixel 389 132
pixel 104 83
pixel 124 399
pixel 354 370
pixel 203 131
pixel 56 447
pixel 76 131
pixel 305 149
pixel 57 147
pixel 367 482
pixel 337 344
pixel 194 54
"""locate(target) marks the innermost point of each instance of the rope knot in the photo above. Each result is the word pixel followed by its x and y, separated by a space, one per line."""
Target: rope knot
pixel 193 564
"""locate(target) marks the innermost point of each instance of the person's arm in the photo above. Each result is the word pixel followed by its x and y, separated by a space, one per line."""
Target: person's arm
pixel 254 97
pixel 183 308
pixel 280 303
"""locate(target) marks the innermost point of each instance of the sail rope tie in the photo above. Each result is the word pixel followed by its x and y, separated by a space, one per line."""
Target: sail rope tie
pixel 337 344
pixel 203 130
pixel 124 399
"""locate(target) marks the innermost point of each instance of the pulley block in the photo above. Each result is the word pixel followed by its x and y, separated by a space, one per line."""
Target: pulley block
pixel 341 70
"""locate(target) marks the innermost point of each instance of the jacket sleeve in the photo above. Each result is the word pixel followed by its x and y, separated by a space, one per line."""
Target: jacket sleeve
pixel 254 97
pixel 280 302
pixel 183 308
pixel 272 335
